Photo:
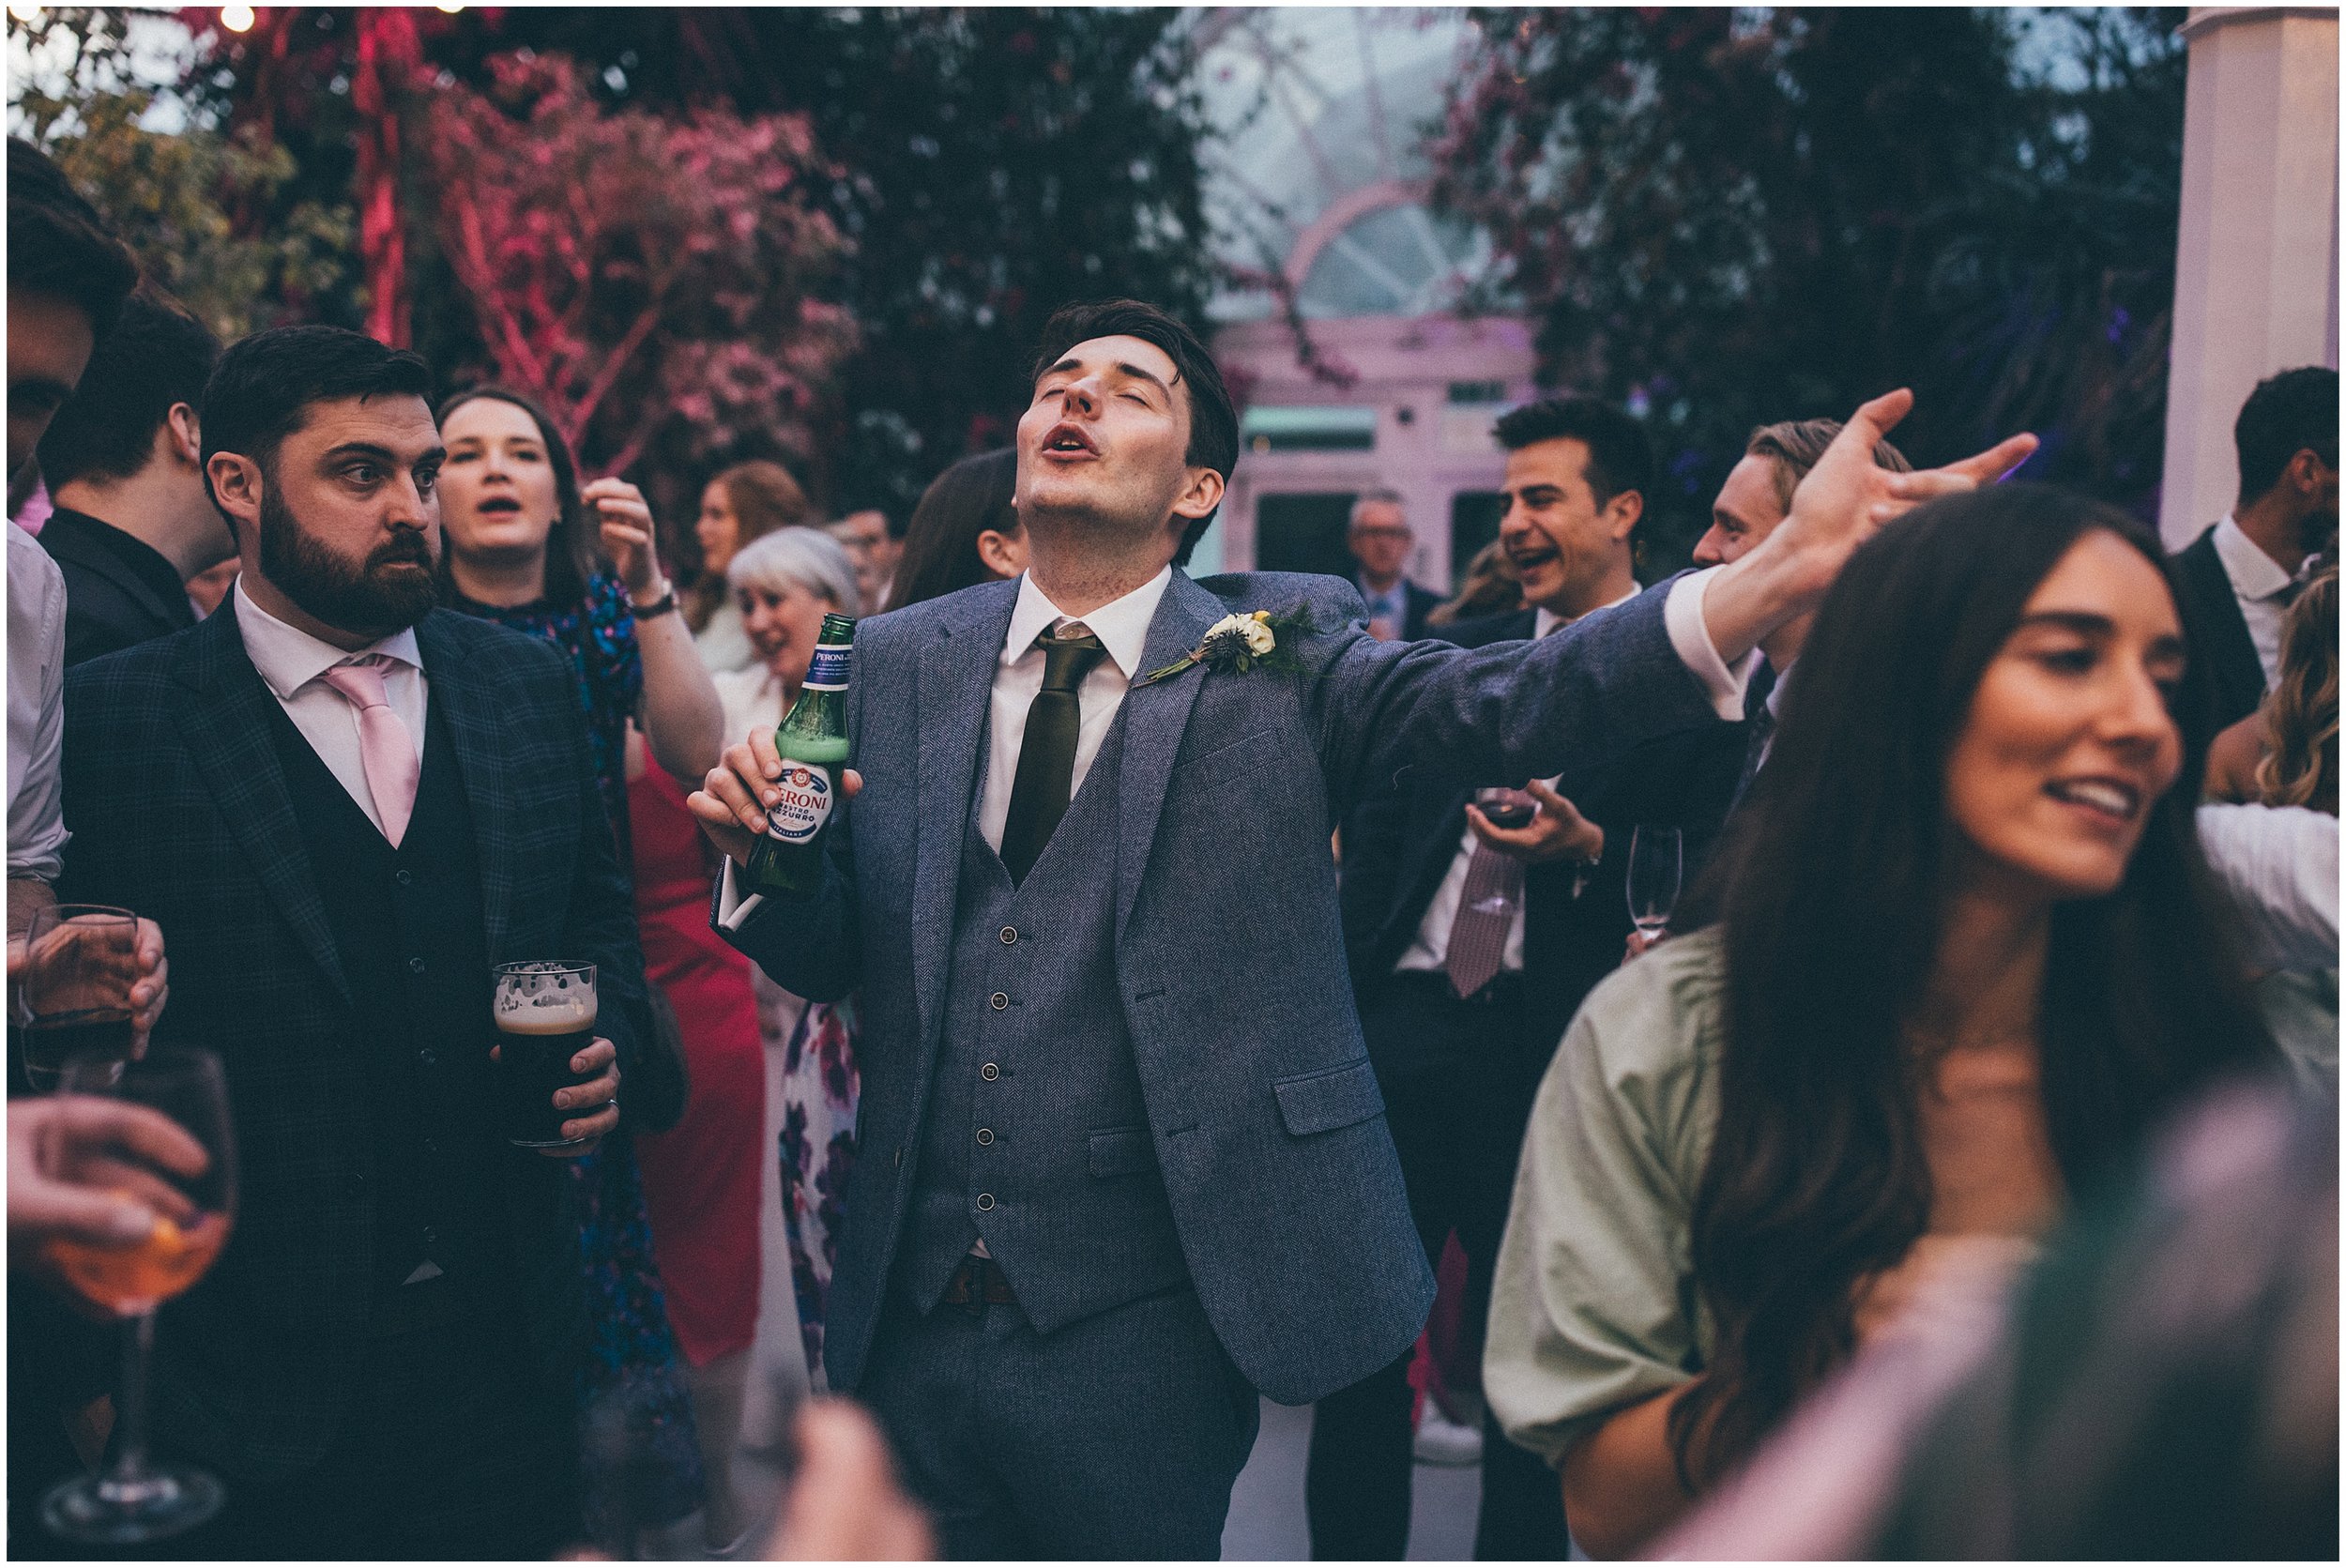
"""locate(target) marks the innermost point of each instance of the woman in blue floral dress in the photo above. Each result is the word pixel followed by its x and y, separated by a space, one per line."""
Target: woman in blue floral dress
pixel 518 551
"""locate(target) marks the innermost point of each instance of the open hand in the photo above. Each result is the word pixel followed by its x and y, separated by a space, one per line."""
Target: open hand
pixel 731 803
pixel 1846 498
pixel 1558 832
pixel 625 518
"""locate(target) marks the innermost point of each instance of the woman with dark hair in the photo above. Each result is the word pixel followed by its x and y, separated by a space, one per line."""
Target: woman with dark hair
pixel 521 549
pixel 746 501
pixel 1964 965
pixel 965 530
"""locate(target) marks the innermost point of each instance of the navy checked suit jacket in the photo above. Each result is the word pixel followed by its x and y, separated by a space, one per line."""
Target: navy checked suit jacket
pixel 1263 1110
pixel 180 810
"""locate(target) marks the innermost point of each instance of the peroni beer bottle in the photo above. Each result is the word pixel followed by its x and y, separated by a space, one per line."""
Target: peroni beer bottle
pixel 813 740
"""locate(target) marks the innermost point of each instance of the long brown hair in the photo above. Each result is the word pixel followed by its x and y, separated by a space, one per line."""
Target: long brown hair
pixel 763 497
pixel 2300 764
pixel 574 553
pixel 1835 880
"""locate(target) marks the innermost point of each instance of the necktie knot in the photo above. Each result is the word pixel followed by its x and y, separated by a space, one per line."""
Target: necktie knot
pixel 1067 659
pixel 360 680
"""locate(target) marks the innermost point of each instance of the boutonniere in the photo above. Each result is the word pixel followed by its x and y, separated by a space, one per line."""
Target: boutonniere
pixel 1237 644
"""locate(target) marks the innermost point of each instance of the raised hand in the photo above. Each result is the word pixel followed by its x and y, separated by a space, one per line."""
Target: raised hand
pixel 1841 503
pixel 731 803
pixel 625 519
pixel 1558 832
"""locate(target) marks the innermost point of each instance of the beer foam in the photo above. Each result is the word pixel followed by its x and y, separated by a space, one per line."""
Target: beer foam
pixel 546 1012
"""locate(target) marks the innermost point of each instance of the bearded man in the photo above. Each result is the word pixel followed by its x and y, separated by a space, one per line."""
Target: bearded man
pixel 344 805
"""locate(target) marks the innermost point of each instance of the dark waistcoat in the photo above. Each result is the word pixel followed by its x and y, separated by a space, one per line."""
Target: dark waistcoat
pixel 407 926
pixel 1036 1138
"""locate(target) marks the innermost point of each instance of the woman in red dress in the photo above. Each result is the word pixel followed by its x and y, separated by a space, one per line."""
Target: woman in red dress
pixel 701 1177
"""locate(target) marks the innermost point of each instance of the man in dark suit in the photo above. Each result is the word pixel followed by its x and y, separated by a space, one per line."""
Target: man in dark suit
pixel 1461 1005
pixel 125 465
pixel 344 805
pixel 1124 1162
pixel 1381 539
pixel 2239 576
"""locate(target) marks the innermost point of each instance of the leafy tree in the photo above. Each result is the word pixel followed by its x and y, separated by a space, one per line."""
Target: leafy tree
pixel 1726 218
pixel 988 165
pixel 641 276
pixel 174 196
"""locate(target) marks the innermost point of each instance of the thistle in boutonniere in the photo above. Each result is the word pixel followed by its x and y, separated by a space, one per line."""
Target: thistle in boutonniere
pixel 1237 644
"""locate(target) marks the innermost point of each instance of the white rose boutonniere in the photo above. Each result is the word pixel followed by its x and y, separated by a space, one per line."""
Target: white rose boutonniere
pixel 1237 644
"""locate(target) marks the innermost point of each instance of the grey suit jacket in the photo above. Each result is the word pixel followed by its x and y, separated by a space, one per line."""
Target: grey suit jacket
pixel 1229 956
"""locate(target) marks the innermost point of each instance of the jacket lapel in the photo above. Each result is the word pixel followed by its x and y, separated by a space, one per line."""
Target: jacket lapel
pixel 475 729
pixel 1155 718
pixel 953 701
pixel 225 725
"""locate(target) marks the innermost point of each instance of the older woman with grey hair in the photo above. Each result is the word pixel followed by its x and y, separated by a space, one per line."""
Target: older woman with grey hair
pixel 784 583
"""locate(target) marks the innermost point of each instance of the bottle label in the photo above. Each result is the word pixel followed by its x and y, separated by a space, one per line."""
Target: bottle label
pixel 807 797
pixel 828 670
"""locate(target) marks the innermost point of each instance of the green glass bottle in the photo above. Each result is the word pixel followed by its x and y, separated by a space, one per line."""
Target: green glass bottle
pixel 813 740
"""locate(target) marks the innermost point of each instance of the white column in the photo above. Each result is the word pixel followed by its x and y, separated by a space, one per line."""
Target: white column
pixel 2256 266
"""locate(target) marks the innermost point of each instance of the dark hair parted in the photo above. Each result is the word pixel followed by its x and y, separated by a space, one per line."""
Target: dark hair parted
pixel 158 355
pixel 1620 456
pixel 1213 418
pixel 941 545
pixel 2292 412
pixel 1836 879
pixel 261 391
pixel 57 243
pixel 572 550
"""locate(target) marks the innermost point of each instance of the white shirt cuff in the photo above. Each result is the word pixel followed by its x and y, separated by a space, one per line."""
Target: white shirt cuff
pixel 1682 614
pixel 733 908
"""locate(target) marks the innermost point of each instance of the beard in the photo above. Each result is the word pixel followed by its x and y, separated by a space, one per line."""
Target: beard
pixel 389 591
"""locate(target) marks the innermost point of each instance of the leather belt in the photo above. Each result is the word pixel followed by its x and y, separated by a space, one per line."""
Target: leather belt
pixel 978 1281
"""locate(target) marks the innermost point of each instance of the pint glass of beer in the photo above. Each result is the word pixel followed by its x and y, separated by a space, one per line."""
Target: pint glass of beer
pixel 545 1016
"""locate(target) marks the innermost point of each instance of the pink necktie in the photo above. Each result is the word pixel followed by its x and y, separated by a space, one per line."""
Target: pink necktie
pixel 386 750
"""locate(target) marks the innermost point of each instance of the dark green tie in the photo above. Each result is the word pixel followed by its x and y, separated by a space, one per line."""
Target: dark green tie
pixel 1046 756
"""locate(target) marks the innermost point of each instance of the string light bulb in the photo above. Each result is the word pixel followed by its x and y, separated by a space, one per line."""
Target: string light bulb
pixel 237 19
pixel 452 11
pixel 27 14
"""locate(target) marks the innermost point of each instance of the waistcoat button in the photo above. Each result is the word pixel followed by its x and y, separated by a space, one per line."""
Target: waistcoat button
pixel 986 1135
pixel 403 879
pixel 414 966
pixel 985 1203
pixel 989 1071
pixel 1000 1001
pixel 1009 934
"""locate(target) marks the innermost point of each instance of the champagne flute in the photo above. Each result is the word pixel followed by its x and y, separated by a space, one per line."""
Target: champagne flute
pixel 1656 860
pixel 81 961
pixel 191 1183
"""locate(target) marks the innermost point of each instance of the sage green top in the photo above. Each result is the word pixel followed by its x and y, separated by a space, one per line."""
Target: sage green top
pixel 1594 1306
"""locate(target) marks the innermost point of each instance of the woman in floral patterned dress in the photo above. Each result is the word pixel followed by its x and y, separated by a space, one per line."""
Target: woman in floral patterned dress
pixel 519 551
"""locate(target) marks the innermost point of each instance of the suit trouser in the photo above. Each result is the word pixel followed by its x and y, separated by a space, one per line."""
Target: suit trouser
pixel 1115 1437
pixel 1458 1079
pixel 451 1448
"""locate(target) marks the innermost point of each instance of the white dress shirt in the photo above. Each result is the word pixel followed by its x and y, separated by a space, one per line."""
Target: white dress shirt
pixel 1122 628
pixel 37 832
pixel 1431 950
pixel 2279 867
pixel 291 661
pixel 2261 587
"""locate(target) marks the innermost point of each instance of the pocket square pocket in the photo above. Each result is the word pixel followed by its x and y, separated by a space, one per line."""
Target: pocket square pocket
pixel 1122 1151
pixel 1323 1101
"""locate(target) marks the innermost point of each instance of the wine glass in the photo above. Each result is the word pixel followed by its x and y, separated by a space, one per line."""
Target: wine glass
pixel 1656 860
pixel 81 961
pixel 191 1183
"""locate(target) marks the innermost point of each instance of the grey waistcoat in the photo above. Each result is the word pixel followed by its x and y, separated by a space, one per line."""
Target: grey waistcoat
pixel 1036 1136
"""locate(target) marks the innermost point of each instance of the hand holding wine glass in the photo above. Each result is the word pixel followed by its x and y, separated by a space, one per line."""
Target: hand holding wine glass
pixel 188 1184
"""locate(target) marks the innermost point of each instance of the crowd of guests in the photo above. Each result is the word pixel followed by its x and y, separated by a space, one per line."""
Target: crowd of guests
pixel 1159 1027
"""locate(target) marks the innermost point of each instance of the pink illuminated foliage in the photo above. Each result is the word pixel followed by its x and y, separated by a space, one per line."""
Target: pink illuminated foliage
pixel 638 273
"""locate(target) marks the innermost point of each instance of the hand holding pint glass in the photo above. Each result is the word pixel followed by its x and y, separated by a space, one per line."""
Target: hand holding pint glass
pixel 557 1080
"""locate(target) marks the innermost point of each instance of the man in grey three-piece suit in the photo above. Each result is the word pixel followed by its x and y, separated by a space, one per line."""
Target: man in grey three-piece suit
pixel 1123 1161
